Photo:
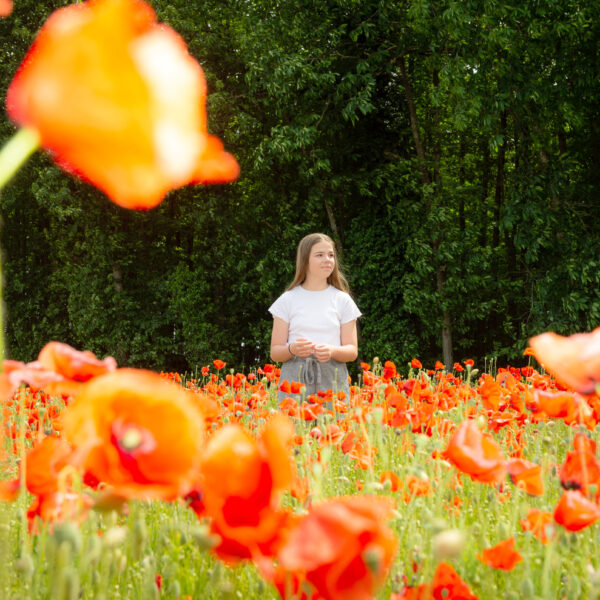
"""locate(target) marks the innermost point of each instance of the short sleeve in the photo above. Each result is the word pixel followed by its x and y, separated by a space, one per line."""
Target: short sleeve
pixel 349 311
pixel 281 308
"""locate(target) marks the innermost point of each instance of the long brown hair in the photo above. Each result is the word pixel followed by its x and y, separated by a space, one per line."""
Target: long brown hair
pixel 336 279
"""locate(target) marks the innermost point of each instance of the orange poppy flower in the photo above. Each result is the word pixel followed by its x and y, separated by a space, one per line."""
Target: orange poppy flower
pixel 415 363
pixel 6 7
pixel 574 511
pixel 45 461
pixel 136 432
pixel 568 406
pixel 73 364
pixel 501 556
pixel 59 369
pixel 574 360
pixel 395 481
pixel 342 547
pixel 539 523
pixel 447 585
pixel 579 471
pixel 526 474
pixel 9 489
pixel 219 364
pixel 117 99
pixel 242 479
pixel 475 453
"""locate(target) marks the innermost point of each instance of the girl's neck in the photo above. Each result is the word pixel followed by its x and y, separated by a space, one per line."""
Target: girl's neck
pixel 314 285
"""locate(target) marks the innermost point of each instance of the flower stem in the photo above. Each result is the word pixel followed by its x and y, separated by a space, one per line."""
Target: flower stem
pixel 16 151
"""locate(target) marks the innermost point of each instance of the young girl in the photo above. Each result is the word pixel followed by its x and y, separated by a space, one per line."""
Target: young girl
pixel 314 321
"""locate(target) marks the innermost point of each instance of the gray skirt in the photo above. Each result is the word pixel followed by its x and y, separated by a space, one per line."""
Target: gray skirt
pixel 316 376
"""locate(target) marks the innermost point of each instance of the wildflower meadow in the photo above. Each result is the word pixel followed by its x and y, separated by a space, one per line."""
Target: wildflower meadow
pixel 442 483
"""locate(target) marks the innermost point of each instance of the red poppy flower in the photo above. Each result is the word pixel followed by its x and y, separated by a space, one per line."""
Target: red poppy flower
pixel 579 471
pixel 415 363
pixel 475 453
pixel 137 432
pixel 242 479
pixel 342 547
pixel 389 370
pixel 439 365
pixel 501 556
pixel 574 360
pixel 219 364
pixel 117 99
pixel 574 511
pixel 539 523
pixel 446 585
pixel 527 475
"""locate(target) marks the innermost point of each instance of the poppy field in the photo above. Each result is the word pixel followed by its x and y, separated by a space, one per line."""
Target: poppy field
pixel 440 483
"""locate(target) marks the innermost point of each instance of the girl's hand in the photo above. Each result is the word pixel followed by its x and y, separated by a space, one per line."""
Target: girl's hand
pixel 323 352
pixel 302 347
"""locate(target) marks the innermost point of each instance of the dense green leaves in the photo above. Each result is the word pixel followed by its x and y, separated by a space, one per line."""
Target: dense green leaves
pixel 452 149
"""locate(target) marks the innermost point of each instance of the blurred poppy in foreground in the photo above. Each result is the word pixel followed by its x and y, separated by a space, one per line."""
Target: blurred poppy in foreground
pixel 574 360
pixel 342 547
pixel 136 432
pixel 117 99
pixel 501 556
pixel 476 454
pixel 6 7
pixel 574 511
pixel 242 481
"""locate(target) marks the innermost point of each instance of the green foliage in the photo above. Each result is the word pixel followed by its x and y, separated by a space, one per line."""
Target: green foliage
pixel 477 211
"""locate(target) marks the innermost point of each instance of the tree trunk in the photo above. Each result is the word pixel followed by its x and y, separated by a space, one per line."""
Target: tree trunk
pixel 446 322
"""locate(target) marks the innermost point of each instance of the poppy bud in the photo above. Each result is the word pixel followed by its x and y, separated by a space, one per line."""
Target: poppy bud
pixel 174 589
pixel 114 537
pixel 204 539
pixel 68 581
pixel 376 360
pixel 448 544
pixel 503 530
pixel 140 537
pixel 372 557
pixel 68 533
pixel 24 564
pixel 527 589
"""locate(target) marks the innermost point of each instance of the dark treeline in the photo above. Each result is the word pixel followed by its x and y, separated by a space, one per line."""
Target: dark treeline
pixel 452 149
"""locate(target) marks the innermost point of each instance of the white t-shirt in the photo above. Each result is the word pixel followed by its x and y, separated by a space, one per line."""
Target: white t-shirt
pixel 316 316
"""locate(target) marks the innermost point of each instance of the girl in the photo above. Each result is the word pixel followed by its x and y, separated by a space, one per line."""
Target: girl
pixel 314 321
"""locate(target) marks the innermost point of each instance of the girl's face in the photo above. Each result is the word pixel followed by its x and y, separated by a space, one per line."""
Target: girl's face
pixel 321 261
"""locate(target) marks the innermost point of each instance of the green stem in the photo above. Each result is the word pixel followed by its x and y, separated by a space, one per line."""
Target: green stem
pixel 16 151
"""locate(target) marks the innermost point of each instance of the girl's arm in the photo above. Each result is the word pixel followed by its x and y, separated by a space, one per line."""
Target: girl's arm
pixel 348 350
pixel 279 341
pixel 281 351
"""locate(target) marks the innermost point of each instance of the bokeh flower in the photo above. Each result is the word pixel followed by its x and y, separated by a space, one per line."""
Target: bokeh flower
pixel 136 432
pixel 342 547
pixel 501 556
pixel 242 479
pixel 116 98
pixel 574 360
